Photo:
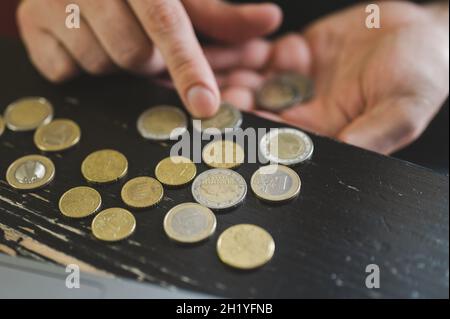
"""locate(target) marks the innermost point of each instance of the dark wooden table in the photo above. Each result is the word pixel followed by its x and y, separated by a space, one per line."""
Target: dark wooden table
pixel 356 208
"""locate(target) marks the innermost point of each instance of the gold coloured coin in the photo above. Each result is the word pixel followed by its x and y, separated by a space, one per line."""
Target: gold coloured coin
pixel 223 154
pixel 228 117
pixel 275 183
pixel 80 202
pixel 104 166
pixel 113 224
pixel 2 125
pixel 57 135
pixel 30 172
pixel 27 114
pixel 175 171
pixel 245 246
pixel 189 223
pixel 161 122
pixel 142 192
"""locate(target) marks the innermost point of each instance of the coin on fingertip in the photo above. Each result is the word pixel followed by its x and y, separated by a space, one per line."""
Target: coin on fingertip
pixel 30 172
pixel 113 224
pixel 80 202
pixel 142 192
pixel 28 114
pixel 58 135
pixel 277 94
pixel 161 123
pixel 189 223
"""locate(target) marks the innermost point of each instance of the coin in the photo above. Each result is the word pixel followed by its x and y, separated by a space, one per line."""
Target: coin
pixel 80 202
pixel 27 114
pixel 223 154
pixel 30 172
pixel 245 246
pixel 104 166
pixel 160 122
pixel 219 188
pixel 175 171
pixel 2 125
pixel 57 135
pixel 142 192
pixel 304 85
pixel 113 224
pixel 189 223
pixel 275 183
pixel 286 146
pixel 277 94
pixel 228 117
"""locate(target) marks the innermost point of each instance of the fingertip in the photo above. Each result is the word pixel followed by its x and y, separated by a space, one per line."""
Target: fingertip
pixel 266 17
pixel 202 102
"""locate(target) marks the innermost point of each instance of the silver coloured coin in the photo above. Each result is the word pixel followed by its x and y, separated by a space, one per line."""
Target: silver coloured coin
pixel 227 118
pixel 189 223
pixel 286 146
pixel 161 123
pixel 219 188
pixel 275 183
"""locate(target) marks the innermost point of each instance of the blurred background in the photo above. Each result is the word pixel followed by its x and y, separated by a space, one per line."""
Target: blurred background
pixel 431 150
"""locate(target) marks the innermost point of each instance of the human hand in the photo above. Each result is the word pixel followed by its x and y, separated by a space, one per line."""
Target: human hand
pixel 142 36
pixel 375 88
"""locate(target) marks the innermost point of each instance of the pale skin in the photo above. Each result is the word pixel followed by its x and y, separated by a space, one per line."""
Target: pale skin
pixel 377 89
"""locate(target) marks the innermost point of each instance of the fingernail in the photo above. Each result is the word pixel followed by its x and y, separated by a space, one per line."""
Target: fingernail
pixel 202 102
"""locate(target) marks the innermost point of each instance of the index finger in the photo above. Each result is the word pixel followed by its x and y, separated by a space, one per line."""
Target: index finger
pixel 169 27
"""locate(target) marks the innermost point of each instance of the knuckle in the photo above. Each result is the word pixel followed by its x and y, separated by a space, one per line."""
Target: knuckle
pixel 163 16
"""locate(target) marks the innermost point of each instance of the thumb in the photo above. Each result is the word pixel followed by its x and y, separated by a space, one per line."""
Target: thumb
pixel 388 126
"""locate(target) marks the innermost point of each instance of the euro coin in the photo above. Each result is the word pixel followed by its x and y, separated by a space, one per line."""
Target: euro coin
pixel 2 126
pixel 277 94
pixel 304 85
pixel 57 135
pixel 175 171
pixel 27 114
pixel 113 224
pixel 80 202
pixel 162 122
pixel 245 246
pixel 30 172
pixel 286 146
pixel 219 189
pixel 142 192
pixel 189 223
pixel 228 117
pixel 223 154
pixel 275 183
pixel 104 166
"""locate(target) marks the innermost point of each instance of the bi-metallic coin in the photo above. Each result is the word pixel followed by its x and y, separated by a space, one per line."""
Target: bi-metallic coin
pixel 160 123
pixel 275 183
pixel 228 117
pixel 30 172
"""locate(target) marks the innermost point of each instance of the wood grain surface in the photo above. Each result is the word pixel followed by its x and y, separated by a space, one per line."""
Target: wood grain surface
pixel 355 208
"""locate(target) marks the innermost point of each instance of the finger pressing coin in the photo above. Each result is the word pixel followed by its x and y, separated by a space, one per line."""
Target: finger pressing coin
pixel 104 166
pixel 57 135
pixel 245 246
pixel 228 117
pixel 189 223
pixel 113 224
pixel 142 192
pixel 27 114
pixel 80 202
